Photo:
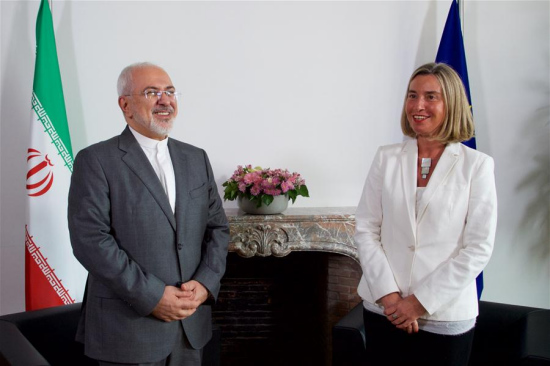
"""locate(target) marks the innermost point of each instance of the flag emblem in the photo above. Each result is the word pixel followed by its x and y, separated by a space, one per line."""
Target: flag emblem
pixel 40 174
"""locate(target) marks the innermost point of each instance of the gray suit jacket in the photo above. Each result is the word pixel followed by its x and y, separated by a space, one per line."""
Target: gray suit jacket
pixel 124 233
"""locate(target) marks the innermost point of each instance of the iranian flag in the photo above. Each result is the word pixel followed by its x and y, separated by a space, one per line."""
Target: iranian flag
pixel 52 274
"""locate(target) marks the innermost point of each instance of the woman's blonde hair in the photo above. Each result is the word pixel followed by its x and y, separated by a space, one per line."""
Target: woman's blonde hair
pixel 458 124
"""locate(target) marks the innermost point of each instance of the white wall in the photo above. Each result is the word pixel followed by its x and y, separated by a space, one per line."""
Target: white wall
pixel 314 87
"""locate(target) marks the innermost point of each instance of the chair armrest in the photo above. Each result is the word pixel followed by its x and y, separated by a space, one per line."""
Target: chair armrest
pixel 511 335
pixel 51 332
pixel 348 339
pixel 15 348
pixel 535 345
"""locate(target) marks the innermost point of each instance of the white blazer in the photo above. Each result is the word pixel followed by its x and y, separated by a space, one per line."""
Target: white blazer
pixel 437 253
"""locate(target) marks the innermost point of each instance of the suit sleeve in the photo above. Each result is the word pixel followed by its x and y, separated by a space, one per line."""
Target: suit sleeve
pixel 216 240
pixel 368 222
pixel 94 244
pixel 450 279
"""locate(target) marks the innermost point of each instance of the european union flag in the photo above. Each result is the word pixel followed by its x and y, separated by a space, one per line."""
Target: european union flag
pixel 451 52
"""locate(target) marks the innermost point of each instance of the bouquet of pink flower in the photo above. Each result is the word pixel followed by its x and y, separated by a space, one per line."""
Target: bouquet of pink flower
pixel 261 185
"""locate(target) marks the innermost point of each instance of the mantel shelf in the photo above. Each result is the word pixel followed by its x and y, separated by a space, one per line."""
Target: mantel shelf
pixel 325 229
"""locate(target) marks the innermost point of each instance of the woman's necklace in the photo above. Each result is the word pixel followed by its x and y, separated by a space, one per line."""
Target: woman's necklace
pixel 429 148
pixel 425 165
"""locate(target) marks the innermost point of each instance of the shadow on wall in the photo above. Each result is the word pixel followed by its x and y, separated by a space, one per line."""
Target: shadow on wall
pixel 15 117
pixel 71 83
pixel 536 220
pixel 427 40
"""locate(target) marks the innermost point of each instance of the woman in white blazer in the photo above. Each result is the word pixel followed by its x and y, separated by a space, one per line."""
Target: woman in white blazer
pixel 425 229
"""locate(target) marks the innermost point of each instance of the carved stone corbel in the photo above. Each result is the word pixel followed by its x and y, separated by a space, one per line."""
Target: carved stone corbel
pixel 261 241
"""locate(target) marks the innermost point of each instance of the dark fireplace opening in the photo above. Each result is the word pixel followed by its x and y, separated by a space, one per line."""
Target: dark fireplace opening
pixel 280 311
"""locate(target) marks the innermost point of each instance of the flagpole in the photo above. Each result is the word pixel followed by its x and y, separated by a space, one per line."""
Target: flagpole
pixel 461 12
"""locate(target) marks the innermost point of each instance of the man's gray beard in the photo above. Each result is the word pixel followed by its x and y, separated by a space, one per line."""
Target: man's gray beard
pixel 161 128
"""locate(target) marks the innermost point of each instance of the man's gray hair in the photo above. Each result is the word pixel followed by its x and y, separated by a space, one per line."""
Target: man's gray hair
pixel 125 82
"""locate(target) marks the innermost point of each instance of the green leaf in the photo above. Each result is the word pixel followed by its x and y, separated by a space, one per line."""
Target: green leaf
pixel 292 195
pixel 231 191
pixel 303 191
pixel 266 199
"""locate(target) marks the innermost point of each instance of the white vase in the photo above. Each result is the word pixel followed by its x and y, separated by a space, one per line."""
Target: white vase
pixel 279 204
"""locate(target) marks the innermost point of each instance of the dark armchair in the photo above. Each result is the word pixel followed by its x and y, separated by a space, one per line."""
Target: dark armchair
pixel 46 337
pixel 504 335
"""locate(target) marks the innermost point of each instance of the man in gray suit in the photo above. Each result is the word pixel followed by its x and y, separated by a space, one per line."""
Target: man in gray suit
pixel 147 223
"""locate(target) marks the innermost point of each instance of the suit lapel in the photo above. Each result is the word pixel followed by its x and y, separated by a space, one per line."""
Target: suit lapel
pixel 179 161
pixel 408 170
pixel 444 166
pixel 137 161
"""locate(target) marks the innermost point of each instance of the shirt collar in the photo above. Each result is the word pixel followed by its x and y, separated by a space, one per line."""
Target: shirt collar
pixel 147 142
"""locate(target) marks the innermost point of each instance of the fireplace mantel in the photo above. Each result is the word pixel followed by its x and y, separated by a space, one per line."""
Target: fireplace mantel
pixel 327 229
pixel 264 305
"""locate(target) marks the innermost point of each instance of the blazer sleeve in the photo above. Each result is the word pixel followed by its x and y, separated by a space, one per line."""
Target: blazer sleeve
pixel 451 278
pixel 93 243
pixel 368 222
pixel 216 239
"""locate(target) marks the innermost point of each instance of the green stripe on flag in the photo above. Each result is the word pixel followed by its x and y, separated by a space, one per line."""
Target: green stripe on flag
pixel 47 86
pixel 50 129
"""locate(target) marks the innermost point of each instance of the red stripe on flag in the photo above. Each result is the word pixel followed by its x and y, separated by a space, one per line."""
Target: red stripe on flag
pixel 39 294
pixel 43 289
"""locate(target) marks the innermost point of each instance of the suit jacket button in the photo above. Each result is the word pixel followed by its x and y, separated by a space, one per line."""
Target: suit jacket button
pixel 180 246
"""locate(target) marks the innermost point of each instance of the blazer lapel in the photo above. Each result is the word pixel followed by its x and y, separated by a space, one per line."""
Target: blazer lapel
pixel 137 161
pixel 444 166
pixel 179 161
pixel 408 170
